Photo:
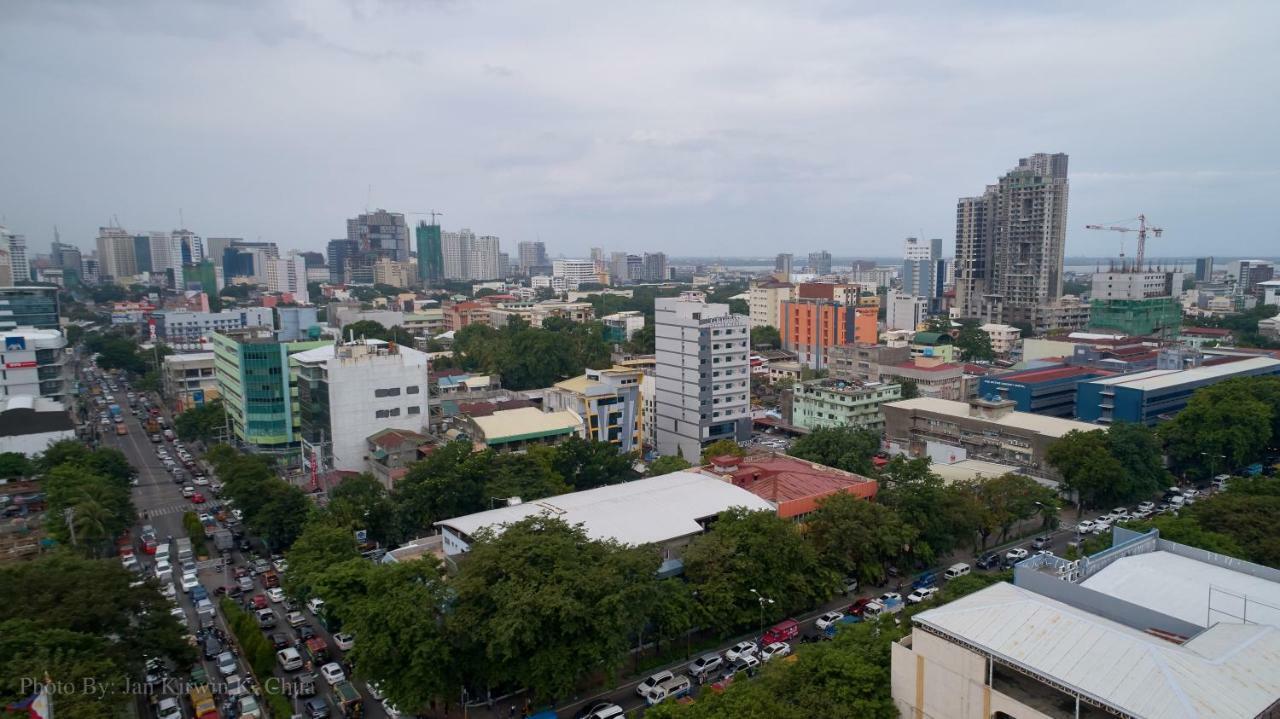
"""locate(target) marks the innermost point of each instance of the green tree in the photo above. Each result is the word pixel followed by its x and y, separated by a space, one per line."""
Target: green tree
pixel 974 343
pixel 910 390
pixel 1087 467
pixel 748 550
pixel 1250 520
pixel 766 336
pixel 543 605
pixel 202 422
pixel 1225 425
pixel 368 329
pixel 14 465
pixel 642 342
pixel 530 476
pixel 321 545
pixel 667 465
pixel 585 464
pixel 450 482
pixel 1012 498
pixel 361 502
pixel 947 516
pixel 858 538
pixel 844 448
pixel 722 447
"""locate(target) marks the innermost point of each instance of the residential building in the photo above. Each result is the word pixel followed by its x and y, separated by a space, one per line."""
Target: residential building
pixel 116 253
pixel 1136 302
pixel 1204 269
pixel 1199 337
pixel 933 378
pixel 648 412
pixel 1248 274
pixel 92 270
pixel 192 330
pixel 341 315
pixel 905 311
pixel 189 380
pixel 655 267
pixel 822 403
pixel 390 272
pixel 575 272
pixel 390 453
pixel 6 268
pixel 535 313
pixel 468 257
pixel 350 390
pixel 518 429
pixel 28 425
pixel 923 270
pixel 810 327
pixel 765 299
pixel 1154 395
pixel 863 361
pixel 947 431
pixel 166 258
pixel 874 276
pixel 785 370
pixel 1010 240
pixel 339 257
pixel 820 263
pixel 793 486
pixel 19 264
pixel 28 306
pixel 35 364
pixel 1270 292
pixel 665 512
pixel 259 388
pixel 298 323
pixel 1050 391
pixel 379 234
pixel 703 374
pixel 430 253
pixel 1068 312
pixel 423 321
pixel 1145 628
pixel 1004 338
pixel 622 326
pixel 608 400
pixel 289 275
pixel 933 345
pixel 782 267
pixel 531 254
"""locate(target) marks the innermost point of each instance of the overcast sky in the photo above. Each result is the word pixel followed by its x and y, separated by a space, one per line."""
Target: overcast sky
pixel 704 128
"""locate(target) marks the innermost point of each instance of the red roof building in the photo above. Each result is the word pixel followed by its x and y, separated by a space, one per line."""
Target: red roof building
pixel 792 485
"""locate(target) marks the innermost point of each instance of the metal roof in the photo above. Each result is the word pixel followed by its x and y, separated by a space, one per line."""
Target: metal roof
pixel 1230 670
pixel 643 511
pixel 1048 426
pixel 1161 379
pixel 526 422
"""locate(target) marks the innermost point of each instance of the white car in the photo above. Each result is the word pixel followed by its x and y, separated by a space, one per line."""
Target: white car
pixel 281 565
pixel 829 619
pixel 654 680
pixel 164 572
pixel 1102 528
pixel 1017 554
pixel 1085 526
pixel 188 491
pixel 178 613
pixel 921 594
pixel 1146 506
pixel 332 673
pixel 168 591
pixel 275 594
pixel 344 641
pixel 201 481
pixel 296 619
pixel 777 649
pixel 189 582
pixel 741 649
pixel 169 709
pixel 227 664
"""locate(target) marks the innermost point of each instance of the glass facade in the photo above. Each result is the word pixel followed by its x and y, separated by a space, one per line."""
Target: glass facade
pixel 29 307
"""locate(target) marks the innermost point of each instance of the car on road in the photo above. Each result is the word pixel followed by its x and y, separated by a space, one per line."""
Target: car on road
pixel 920 595
pixel 226 664
pixel 748 663
pixel 266 618
pixel 1042 542
pixel 316 708
pixel 1084 526
pixel 332 673
pixel 188 491
pixel 315 605
pixel 197 498
pixel 988 560
pixel 164 571
pixel 1017 554
pixel 155 439
pixel 259 601
pixel 189 582
pixel 168 591
pixel 245 584
pixel 344 641
pixel 828 619
pixel 281 565
pixel 652 681
pixel 740 649
pixel 1101 527
pixel 777 649
pixel 280 640
pixel 859 606
pixel 305 631
pixel 705 665
pixel 296 619
pixel 1146 506
pixel 249 708
pixel 275 594
pixel 600 710
pixel 290 660
pixel 201 481
pixel 169 708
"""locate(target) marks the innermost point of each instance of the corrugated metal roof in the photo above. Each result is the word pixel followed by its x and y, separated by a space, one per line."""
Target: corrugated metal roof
pixel 1160 379
pixel 1048 426
pixel 1228 671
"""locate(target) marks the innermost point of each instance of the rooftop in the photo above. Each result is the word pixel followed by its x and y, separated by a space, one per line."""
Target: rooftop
pixel 191 358
pixel 1206 331
pixel 1180 586
pixel 971 469
pixel 1050 374
pixel 941 367
pixel 25 414
pixel 512 425
pixel 643 511
pixel 1049 426
pixel 1164 378
pixel 931 338
pixel 790 484
pixel 1227 671
pixel 484 408
pixel 392 438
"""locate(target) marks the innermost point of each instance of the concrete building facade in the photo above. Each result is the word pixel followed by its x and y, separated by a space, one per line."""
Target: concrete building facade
pixel 608 400
pixel 841 403
pixel 34 364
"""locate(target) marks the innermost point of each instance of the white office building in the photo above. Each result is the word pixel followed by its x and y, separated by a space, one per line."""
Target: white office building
pixel 289 274
pixel 166 256
pixel 575 272
pixel 19 265
pixel 905 311
pixel 349 391
pixel 192 330
pixel 703 375
pixel 35 364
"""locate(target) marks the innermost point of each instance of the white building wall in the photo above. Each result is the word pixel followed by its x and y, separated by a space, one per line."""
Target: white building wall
pixel 574 272
pixel 904 312
pixel 33 444
pixel 371 393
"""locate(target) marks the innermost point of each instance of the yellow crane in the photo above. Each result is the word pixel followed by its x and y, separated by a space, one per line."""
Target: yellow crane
pixel 1142 229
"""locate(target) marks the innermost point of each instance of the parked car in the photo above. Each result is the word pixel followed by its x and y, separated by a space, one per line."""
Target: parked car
pixel 275 594
pixel 295 619
pixel 332 673
pixel 259 601
pixel 705 665
pixel 741 649
pixel 748 663
pixel 777 649
pixel 169 708
pixel 344 641
pixel 921 594
pixel 1146 506
pixel 266 618
pixel 1017 554
pixel 828 619
pixel 989 560
pixel 955 571
pixel 1101 527
pixel 654 680
pixel 1084 526
pixel 1042 542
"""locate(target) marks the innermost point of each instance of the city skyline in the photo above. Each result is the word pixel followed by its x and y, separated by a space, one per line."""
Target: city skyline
pixel 862 133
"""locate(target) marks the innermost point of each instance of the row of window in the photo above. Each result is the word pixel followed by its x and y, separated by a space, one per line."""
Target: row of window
pixel 395 391
pixel 395 412
pixel 728 345
pixel 741 331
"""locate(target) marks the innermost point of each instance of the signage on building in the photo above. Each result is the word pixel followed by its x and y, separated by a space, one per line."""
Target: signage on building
pixel 19 365
pixel 198 397
pixel 15 343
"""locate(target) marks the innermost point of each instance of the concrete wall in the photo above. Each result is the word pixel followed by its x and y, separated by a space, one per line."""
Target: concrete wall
pixel 1028 576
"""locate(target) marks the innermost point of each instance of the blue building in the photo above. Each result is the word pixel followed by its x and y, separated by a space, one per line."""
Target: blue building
pixel 1049 391
pixel 1150 396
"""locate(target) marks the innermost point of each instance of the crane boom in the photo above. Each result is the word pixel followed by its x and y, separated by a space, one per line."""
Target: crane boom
pixel 1142 229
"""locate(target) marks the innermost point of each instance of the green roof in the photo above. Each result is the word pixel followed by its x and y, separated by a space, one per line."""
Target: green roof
pixel 931 338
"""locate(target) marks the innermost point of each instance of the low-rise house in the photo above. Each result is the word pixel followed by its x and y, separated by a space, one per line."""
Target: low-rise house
pixel 389 453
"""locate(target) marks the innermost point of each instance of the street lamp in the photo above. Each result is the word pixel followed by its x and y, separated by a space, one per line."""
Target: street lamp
pixel 1213 461
pixel 763 600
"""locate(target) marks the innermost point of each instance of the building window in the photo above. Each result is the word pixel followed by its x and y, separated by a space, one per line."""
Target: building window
pixel 412 389
pixel 380 414
pixel 415 410
pixel 393 412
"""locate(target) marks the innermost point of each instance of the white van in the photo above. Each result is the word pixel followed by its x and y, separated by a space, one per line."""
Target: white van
pixel 956 570
pixel 673 687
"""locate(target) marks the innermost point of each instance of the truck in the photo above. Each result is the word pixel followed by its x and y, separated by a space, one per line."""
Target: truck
pixel 183 547
pixel 223 540
pixel 114 409
pixel 348 699
pixel 153 427
pixel 202 704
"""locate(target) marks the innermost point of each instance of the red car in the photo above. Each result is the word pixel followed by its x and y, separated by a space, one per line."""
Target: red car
pixel 859 606
pixel 149 546
pixel 197 498
pixel 259 601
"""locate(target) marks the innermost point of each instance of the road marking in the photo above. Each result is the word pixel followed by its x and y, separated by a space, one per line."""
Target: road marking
pixel 176 508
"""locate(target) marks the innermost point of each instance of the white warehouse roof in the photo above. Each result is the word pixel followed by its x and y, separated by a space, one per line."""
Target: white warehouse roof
pixel 1161 379
pixel 643 511
pixel 1228 670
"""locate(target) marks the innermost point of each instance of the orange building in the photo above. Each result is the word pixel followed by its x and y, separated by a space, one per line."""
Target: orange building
pixel 460 315
pixel 811 327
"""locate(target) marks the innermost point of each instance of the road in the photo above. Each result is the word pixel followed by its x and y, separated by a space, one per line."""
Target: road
pixel 160 501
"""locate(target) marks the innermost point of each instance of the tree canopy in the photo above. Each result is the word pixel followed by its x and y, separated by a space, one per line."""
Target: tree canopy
pixel 1224 426
pixel 846 448
pixel 766 336
pixel 203 422
pixel 529 357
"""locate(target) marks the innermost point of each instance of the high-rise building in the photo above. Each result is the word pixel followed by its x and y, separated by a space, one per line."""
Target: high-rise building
pixel 905 311
pixel 635 268
pixel 92 270
pixel 1136 302
pixel 703 374
pixel 1204 269
pixel 69 259
pixel 166 257
pixel 28 306
pixel 814 322
pixel 920 265
pixel 142 254
pixel 390 272
pixel 289 274
pixel 468 257
pixel 253 260
pixel 655 267
pixel 216 247
pixel 35 363
pixel 1248 274
pixel 531 254
pixel 430 254
pixel 1010 241
pixel 380 234
pixel 782 267
pixel 340 255
pixel 820 262
pixel 192 246
pixel 618 267
pixel 765 298
pixel 574 272
pixel 257 384
pixel 116 253
pixel 19 267
pixel 504 265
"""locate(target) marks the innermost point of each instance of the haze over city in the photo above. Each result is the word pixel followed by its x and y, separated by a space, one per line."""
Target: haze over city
pixel 722 128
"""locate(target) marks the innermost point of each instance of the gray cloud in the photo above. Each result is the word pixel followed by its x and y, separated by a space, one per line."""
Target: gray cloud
pixel 692 128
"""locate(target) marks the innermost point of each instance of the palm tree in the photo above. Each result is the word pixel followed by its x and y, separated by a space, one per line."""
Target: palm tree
pixel 91 520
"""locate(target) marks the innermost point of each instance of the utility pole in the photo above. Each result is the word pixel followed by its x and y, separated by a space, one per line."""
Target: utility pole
pixel 69 514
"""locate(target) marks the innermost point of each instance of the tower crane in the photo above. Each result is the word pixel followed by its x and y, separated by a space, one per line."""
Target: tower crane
pixel 1142 229
pixel 433 214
